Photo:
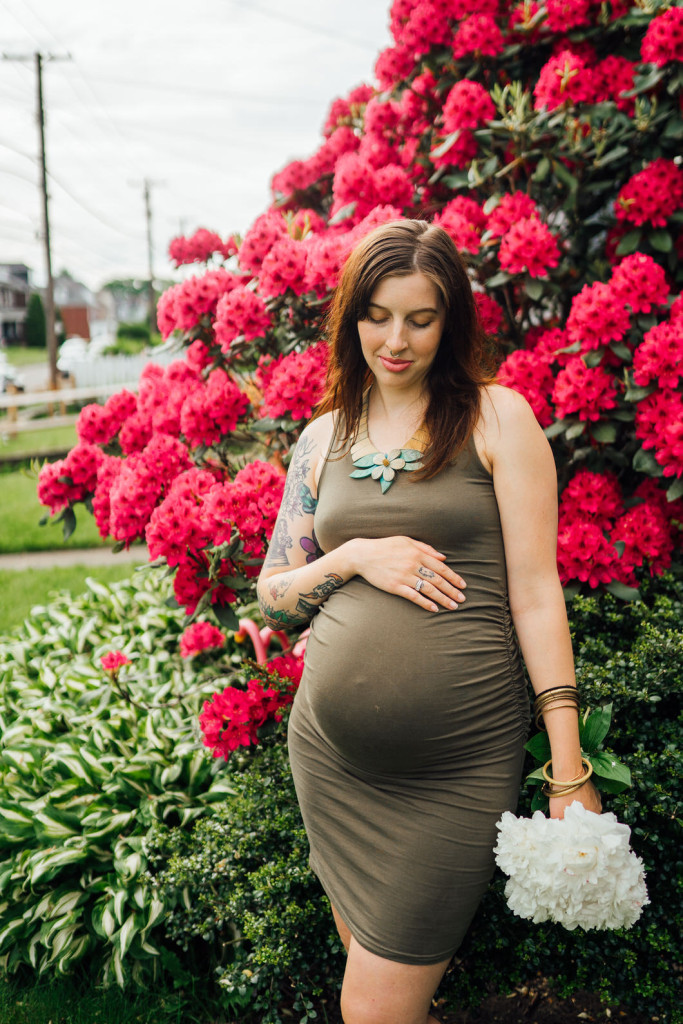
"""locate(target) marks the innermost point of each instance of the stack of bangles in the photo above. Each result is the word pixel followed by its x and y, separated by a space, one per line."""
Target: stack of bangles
pixel 560 697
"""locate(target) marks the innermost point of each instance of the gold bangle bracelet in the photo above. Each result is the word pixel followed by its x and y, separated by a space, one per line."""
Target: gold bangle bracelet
pixel 571 782
pixel 539 712
pixel 549 791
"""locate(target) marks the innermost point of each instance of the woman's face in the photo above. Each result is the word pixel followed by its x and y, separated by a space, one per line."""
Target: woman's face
pixel 402 331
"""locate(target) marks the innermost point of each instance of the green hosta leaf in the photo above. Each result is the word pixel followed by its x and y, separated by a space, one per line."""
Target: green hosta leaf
pixel 126 935
pixel 607 766
pixel 594 728
pixel 539 747
pixel 53 826
pixel 46 865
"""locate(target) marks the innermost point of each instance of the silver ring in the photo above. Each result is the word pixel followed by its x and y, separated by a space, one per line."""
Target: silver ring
pixel 419 585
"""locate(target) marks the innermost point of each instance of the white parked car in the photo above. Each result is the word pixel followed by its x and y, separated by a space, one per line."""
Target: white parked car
pixel 73 350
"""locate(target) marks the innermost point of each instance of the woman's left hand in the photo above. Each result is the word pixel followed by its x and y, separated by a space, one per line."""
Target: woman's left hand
pixel 588 795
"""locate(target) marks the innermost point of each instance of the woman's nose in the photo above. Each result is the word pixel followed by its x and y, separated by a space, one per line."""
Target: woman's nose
pixel 397 339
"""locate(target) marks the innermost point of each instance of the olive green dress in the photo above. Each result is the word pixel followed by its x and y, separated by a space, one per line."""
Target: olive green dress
pixel 407 731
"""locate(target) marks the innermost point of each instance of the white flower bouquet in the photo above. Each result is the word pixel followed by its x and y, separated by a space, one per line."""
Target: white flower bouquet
pixel 579 870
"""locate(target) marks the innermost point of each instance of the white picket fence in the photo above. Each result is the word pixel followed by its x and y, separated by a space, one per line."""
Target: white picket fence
pixel 90 380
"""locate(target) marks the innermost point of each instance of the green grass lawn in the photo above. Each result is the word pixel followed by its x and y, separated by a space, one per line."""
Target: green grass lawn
pixel 17 355
pixel 20 514
pixel 78 1002
pixel 35 442
pixel 21 589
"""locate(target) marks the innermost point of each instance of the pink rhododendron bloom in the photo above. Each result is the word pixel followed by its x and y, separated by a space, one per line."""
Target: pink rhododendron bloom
pixel 528 246
pixel 297 384
pixel 585 554
pixel 71 479
pixel 512 207
pixel 343 110
pixel 644 530
pixel 663 40
pixel 108 470
pixel 199 637
pixel 176 529
pixel 260 239
pixel 651 492
pixel 185 305
pixel 468 105
pixel 423 27
pixel 136 433
pixel 326 256
pixel 564 15
pixel 640 282
pixel 394 65
pixel 198 355
pixel 669 453
pixel 660 356
pixel 598 316
pixel 283 268
pixel 213 410
pixel 250 503
pixel 381 116
pixel 584 391
pixel 592 497
pixel 548 344
pixel 478 34
pixel 462 149
pixel 610 79
pixel 200 247
pixel 527 373
pixel 162 392
pixel 240 313
pixel 490 313
pixel 652 195
pixel 114 660
pixel 655 413
pixel 565 78
pixel 460 228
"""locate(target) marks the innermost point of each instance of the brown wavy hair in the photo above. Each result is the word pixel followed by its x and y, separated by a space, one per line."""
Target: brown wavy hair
pixel 463 363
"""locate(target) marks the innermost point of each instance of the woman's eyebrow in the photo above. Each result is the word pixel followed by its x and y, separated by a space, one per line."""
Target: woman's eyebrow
pixel 427 309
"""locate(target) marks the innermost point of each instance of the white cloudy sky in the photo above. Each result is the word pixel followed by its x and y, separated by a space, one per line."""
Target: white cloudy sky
pixel 206 100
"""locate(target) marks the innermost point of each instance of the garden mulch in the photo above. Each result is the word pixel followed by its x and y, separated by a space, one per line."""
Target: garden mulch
pixel 528 1004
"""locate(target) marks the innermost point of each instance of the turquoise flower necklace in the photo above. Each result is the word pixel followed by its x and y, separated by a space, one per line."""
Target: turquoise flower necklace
pixel 384 466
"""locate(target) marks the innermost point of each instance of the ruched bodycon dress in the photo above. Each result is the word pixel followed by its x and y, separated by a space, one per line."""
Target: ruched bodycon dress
pixel 406 735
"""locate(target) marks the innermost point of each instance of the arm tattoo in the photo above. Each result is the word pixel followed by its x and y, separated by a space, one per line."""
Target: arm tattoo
pixel 312 548
pixel 331 583
pixel 277 619
pixel 279 585
pixel 296 501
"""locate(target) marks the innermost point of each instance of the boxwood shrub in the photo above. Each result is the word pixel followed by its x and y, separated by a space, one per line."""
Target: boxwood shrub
pixel 248 894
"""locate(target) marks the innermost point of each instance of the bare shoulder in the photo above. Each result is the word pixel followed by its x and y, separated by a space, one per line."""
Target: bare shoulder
pixel 314 442
pixel 507 424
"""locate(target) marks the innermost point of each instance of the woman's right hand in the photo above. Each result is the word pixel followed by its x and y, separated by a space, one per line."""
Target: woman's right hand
pixel 397 564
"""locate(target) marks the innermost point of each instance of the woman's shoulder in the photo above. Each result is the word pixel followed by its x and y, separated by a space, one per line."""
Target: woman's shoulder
pixel 316 437
pixel 507 421
pixel 503 407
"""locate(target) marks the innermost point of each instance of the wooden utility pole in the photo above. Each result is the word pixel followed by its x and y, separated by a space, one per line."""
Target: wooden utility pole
pixel 51 335
pixel 151 301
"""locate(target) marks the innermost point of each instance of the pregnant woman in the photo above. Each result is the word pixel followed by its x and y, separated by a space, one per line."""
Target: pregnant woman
pixel 418 527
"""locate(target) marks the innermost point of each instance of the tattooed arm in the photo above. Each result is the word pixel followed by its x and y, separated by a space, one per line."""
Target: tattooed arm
pixel 297 576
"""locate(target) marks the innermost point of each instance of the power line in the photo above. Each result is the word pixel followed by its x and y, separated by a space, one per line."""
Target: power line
pixel 319 30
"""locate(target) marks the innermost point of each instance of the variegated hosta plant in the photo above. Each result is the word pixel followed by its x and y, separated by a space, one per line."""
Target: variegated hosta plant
pixel 87 766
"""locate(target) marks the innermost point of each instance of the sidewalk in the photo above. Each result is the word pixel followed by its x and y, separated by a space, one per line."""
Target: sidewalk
pixel 72 556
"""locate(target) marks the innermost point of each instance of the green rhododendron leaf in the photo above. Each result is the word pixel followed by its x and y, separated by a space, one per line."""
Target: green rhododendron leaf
pixel 593 730
pixel 607 766
pixel 661 240
pixel 539 746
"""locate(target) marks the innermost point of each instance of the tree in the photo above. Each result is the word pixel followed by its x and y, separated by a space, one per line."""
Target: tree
pixel 36 332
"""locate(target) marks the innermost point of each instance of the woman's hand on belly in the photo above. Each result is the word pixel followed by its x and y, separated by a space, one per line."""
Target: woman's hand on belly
pixel 408 568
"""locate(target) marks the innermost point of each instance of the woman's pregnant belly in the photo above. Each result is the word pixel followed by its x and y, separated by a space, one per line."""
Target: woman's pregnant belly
pixel 394 688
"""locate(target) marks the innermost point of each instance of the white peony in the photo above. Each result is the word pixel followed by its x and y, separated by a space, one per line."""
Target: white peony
pixel 578 871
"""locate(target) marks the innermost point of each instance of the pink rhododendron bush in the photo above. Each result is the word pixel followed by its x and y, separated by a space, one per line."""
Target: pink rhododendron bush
pixel 545 138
